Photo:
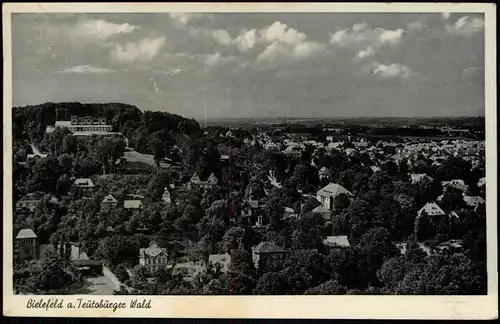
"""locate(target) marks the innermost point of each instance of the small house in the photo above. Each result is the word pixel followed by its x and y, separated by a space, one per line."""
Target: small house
pixel 109 202
pixel 153 257
pixel 27 242
pixel 336 241
pixel 267 254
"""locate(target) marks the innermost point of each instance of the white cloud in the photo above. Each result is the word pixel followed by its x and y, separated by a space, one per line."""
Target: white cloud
pixel 466 26
pixel 101 29
pixel 361 35
pixel 416 26
pixel 364 53
pixel 246 40
pixel 272 51
pixel 445 15
pixel 391 36
pixel 301 51
pixel 392 71
pixel 221 36
pixel 83 69
pixel 282 33
pixel 143 51
pixel 287 43
pixel 181 18
pixel 308 49
pixel 215 60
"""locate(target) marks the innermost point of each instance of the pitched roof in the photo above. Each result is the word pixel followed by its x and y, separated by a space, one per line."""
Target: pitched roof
pixel 26 233
pixel 473 200
pixel 334 241
pixel 195 178
pixel 132 204
pixel 212 179
pixel 109 198
pixel 333 189
pixel 84 182
pixel 321 210
pixel 431 209
pixel 267 247
pixel 152 251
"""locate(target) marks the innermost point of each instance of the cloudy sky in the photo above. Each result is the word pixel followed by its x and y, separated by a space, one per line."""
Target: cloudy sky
pixel 254 65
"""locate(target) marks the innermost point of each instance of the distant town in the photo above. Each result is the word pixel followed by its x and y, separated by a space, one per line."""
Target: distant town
pixel 109 199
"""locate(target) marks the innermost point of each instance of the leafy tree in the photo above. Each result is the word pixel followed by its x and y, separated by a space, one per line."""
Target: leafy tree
pixel 330 287
pixel 44 175
pixel 310 204
pixel 121 272
pixel 341 203
pixel 269 284
pixel 452 200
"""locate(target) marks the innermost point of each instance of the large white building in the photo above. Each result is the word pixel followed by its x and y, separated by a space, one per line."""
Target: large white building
pixel 327 195
pixel 84 126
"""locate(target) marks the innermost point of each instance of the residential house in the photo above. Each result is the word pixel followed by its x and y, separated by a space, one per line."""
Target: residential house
pixel 196 182
pixel 211 181
pixel 474 201
pixel 324 212
pixel 153 257
pixel 109 202
pixel 223 260
pixel 431 209
pixel 271 146
pixel 30 202
pixel 27 242
pixel 336 241
pixel 84 185
pixel 327 194
pixel 132 204
pixel 267 254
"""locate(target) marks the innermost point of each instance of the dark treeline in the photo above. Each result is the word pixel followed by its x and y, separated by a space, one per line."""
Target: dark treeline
pixel 30 122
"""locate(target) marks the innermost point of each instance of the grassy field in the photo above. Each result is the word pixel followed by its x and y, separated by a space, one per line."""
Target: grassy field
pixel 136 157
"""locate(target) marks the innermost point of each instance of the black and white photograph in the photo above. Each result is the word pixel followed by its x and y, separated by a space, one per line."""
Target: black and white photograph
pixel 240 153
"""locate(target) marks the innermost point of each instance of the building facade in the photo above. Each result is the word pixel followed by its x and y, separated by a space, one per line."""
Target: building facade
pixel 153 257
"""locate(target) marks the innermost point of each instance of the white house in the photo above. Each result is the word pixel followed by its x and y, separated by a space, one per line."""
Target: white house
pixel 474 201
pixel 109 201
pixel 132 204
pixel 432 209
pixel 336 241
pixel 327 195
pixel 153 257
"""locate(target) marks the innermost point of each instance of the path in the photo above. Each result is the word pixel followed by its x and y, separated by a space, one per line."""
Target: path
pixel 95 286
